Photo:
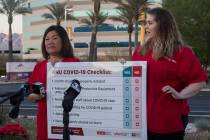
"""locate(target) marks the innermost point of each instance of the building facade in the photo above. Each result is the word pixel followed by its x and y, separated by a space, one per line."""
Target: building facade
pixel 110 39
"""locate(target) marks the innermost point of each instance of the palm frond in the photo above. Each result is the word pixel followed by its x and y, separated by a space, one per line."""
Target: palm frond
pixel 57 10
pixel 5 6
pixel 71 17
pixel 136 7
pixel 48 16
pixel 92 16
pixel 119 18
pixel 12 5
pixel 116 1
pixel 101 18
pixel 85 21
pixel 2 11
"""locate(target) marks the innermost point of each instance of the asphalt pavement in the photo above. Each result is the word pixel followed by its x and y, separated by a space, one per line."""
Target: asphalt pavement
pixel 200 105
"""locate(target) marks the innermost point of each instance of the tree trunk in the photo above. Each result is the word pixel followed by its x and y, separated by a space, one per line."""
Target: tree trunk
pixel 136 34
pixel 130 45
pixel 58 22
pixel 95 50
pixel 92 52
pixel 10 43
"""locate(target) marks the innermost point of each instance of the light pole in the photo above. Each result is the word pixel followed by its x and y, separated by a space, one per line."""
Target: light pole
pixel 67 10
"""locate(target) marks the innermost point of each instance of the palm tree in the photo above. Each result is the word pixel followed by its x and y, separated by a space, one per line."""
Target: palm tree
pixel 11 8
pixel 126 16
pixel 57 12
pixel 94 20
pixel 136 8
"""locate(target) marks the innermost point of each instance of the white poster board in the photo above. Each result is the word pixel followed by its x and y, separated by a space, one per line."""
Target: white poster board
pixel 111 105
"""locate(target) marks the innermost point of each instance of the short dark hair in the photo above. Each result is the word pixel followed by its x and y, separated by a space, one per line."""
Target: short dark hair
pixel 66 50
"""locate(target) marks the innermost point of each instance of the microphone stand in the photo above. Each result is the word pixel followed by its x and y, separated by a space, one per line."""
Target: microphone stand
pixel 69 95
pixel 66 133
pixel 68 103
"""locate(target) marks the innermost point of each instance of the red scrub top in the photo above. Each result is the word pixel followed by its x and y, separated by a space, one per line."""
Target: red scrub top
pixel 40 75
pixel 163 111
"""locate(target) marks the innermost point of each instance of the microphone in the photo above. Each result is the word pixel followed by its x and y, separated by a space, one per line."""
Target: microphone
pixel 38 88
pixel 70 94
pixel 16 100
pixel 37 92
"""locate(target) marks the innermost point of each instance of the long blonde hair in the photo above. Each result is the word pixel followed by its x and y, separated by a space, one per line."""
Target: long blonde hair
pixel 168 39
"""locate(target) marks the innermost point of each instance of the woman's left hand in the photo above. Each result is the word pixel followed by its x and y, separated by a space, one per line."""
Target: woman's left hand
pixel 189 91
pixel 172 91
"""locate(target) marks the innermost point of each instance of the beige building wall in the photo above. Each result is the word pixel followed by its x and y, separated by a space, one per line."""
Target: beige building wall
pixel 34 26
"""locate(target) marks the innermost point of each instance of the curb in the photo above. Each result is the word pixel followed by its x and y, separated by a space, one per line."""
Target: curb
pixel 205 89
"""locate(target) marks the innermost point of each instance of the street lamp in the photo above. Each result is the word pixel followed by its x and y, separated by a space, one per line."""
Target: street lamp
pixel 67 10
pixel 29 7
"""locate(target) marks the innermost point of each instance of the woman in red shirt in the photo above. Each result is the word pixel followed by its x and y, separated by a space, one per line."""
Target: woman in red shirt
pixel 174 75
pixel 55 48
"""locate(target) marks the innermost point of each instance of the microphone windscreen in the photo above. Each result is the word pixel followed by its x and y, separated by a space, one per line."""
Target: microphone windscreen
pixel 70 94
pixel 38 88
pixel 74 88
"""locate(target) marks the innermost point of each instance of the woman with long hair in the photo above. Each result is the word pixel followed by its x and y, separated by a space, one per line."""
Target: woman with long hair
pixel 174 74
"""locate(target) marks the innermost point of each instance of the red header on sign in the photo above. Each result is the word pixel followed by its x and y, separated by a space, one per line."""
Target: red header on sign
pixel 137 71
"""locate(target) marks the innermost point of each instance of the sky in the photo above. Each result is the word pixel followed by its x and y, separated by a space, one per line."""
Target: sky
pixel 16 25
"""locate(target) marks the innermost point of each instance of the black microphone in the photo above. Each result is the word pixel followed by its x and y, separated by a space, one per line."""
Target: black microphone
pixel 70 94
pixel 38 88
pixel 16 100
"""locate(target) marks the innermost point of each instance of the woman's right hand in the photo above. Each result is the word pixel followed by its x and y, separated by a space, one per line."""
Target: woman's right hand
pixel 33 97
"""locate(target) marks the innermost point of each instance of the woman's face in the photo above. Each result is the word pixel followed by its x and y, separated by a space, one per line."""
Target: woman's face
pixel 53 43
pixel 151 27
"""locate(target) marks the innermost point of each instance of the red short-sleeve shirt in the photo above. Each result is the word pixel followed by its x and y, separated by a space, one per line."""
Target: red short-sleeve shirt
pixel 40 75
pixel 163 111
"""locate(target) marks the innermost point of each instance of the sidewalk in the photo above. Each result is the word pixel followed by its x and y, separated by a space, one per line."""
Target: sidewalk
pixel 207 88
